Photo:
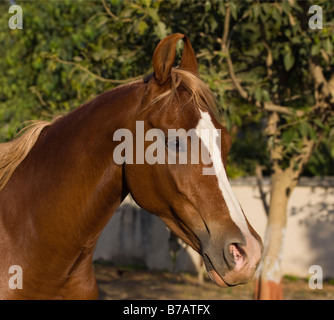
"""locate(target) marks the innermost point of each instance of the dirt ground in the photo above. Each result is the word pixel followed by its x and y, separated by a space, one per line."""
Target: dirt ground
pixel 118 283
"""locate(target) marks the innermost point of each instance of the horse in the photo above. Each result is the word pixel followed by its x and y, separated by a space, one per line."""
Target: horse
pixel 60 184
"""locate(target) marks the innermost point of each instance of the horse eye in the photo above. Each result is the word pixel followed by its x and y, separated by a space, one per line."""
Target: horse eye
pixel 173 144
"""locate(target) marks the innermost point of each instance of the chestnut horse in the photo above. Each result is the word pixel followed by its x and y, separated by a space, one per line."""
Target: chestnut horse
pixel 59 185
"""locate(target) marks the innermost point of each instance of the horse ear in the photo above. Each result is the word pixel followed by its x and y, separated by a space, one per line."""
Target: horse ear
pixel 164 57
pixel 188 60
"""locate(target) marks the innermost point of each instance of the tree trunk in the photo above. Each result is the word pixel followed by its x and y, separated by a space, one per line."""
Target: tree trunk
pixel 269 279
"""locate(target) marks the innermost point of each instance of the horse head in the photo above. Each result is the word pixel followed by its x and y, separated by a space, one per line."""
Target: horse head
pixel 186 183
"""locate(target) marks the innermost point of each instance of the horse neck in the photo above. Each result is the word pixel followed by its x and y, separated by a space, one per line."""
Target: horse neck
pixel 75 184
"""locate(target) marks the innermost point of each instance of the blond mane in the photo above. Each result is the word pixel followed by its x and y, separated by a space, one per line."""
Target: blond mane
pixel 13 153
pixel 200 94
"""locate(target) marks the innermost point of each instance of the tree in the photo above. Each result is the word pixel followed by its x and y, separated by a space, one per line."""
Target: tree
pixel 292 85
pixel 68 52
pixel 272 74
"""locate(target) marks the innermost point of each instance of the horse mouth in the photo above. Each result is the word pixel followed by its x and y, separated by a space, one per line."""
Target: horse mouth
pixel 214 276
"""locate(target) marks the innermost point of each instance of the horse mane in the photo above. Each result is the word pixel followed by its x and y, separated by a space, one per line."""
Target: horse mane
pixel 200 94
pixel 14 152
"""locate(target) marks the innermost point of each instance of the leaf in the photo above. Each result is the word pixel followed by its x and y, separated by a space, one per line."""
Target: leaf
pixel 142 27
pixel 295 165
pixel 319 123
pixel 328 46
pixel 288 136
pixel 312 133
pixel 234 12
pixel 207 6
pixel 146 3
pixel 265 95
pixel 160 30
pixel 179 48
pixel 153 13
pixel 258 93
pixel 277 15
pixel 256 11
pixel 315 49
pixel 303 129
pixel 289 60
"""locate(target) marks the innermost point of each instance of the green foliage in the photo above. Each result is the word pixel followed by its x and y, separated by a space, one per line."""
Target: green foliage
pixel 70 51
pixel 35 84
pixel 271 45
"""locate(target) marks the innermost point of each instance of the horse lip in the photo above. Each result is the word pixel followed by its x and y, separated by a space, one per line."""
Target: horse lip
pixel 207 262
pixel 213 274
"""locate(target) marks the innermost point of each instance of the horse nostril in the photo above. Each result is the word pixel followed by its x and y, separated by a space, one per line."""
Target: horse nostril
pixel 238 254
pixel 234 255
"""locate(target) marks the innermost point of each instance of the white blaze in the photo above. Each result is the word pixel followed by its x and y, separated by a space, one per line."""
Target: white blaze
pixel 214 149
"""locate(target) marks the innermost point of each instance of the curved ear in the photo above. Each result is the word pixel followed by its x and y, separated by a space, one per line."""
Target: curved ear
pixel 164 57
pixel 188 60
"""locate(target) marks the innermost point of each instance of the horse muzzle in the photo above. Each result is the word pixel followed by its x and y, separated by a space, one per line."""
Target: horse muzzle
pixel 235 264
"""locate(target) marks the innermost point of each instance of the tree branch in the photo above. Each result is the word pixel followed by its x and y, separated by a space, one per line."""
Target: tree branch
pixel 269 106
pixel 269 60
pixel 226 29
pixel 78 66
pixel 38 95
pixel 225 51
pixel 109 11
pixel 331 82
pixel 298 161
pixel 316 71
pixel 323 89
pixel 243 93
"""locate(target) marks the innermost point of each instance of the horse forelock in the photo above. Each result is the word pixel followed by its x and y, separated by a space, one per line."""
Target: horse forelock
pixel 200 94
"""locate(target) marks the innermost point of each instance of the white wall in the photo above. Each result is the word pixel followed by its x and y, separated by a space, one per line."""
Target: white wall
pixel 134 236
